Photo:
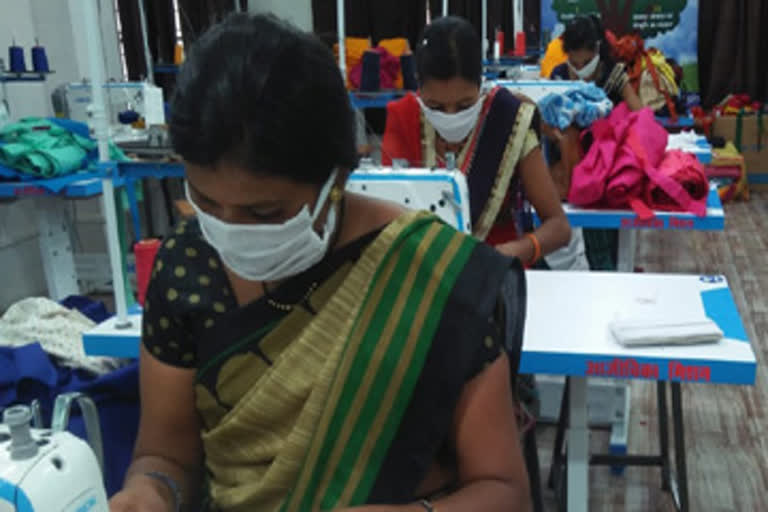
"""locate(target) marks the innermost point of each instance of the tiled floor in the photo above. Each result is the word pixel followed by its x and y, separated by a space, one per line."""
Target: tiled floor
pixel 726 426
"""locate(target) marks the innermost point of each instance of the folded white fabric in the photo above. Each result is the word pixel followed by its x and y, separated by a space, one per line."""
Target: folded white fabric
pixel 664 331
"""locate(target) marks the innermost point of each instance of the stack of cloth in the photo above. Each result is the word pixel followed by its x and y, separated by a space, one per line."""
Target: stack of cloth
pixel 691 142
pixel 581 106
pixel 41 357
pixel 57 329
pixel 42 148
pixel 665 331
pixel 729 172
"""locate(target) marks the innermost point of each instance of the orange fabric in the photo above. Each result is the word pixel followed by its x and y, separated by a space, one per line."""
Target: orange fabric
pixel 355 48
pixel 553 57
pixel 631 50
pixel 397 46
pixel 402 135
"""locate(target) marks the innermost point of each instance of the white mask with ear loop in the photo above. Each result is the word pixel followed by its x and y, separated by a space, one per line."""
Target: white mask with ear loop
pixel 271 252
pixel 589 69
pixel 455 127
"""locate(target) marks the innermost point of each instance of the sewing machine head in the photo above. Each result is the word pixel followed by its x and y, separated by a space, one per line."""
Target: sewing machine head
pixel 43 470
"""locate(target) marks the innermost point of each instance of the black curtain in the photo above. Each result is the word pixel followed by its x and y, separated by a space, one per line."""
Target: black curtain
pixel 377 19
pixel 196 16
pixel 732 53
pixel 160 32
pixel 500 16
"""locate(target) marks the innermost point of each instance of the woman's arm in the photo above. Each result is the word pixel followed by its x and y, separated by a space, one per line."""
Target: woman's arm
pixel 492 472
pixel 555 230
pixel 168 441
pixel 630 96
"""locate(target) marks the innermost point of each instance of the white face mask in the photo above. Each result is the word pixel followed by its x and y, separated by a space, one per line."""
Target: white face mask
pixel 270 252
pixel 588 70
pixel 453 127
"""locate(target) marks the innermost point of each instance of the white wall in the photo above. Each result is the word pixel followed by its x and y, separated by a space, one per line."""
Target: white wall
pixel 298 12
pixel 51 21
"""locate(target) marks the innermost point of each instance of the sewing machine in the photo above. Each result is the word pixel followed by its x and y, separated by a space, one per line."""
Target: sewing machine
pixel 51 470
pixel 441 192
pixel 125 103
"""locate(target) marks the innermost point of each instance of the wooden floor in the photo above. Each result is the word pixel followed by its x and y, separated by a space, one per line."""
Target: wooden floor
pixel 726 427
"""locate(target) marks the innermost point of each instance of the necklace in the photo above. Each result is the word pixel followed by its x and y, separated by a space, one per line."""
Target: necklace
pixel 304 301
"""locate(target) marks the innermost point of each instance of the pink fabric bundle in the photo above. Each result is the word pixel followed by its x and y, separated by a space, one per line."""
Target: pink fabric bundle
pixel 641 150
pixel 589 177
pixel 626 166
pixel 686 170
pixel 389 69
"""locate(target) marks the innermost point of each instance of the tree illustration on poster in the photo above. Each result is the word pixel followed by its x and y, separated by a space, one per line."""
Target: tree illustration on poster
pixel 670 25
pixel 649 18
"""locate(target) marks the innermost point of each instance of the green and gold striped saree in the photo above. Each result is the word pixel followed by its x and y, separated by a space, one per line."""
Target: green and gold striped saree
pixel 362 385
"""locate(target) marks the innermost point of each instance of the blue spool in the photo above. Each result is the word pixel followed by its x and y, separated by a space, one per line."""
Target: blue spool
pixel 371 74
pixel 16 59
pixel 39 60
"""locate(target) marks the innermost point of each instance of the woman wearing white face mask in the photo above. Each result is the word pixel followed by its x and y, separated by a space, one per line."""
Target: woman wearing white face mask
pixel 304 348
pixel 589 59
pixel 493 136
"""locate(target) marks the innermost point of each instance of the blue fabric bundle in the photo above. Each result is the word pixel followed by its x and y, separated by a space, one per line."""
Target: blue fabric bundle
pixel 27 373
pixel 581 106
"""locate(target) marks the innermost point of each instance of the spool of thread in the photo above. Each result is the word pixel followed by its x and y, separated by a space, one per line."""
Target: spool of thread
pixel 520 44
pixel 371 73
pixel 39 59
pixel 145 252
pixel 409 72
pixel 128 116
pixel 496 51
pixel 178 54
pixel 500 40
pixel 16 59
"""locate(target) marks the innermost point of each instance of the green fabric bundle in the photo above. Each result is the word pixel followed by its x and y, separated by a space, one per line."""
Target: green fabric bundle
pixel 44 149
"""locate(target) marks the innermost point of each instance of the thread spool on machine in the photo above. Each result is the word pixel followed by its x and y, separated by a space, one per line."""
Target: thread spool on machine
pixel 17 61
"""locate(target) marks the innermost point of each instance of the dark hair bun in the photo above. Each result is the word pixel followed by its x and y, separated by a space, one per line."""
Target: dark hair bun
pixel 257 92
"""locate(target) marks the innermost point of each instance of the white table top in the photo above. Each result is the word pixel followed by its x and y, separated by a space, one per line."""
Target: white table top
pixel 567 328
pixel 569 312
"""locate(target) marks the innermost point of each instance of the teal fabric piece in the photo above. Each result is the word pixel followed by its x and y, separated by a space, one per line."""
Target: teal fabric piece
pixel 44 149
pixel 41 148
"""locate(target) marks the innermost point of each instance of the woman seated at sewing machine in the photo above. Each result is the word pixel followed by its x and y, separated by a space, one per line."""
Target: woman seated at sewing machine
pixel 305 348
pixel 492 135
pixel 589 59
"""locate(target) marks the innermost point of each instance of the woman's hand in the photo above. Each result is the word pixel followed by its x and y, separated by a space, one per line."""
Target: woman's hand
pixel 142 496
pixel 551 132
pixel 521 249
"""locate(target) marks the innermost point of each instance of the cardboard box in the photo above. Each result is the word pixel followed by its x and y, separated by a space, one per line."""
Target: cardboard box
pixel 754 145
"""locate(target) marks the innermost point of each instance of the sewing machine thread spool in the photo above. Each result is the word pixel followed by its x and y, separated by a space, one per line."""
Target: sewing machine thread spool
pixel 408 68
pixel 22 445
pixel 371 78
pixel 16 59
pixel 39 59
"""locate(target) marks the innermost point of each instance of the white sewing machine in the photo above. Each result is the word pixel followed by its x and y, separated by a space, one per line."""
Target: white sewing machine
pixel 50 470
pixel 442 192
pixel 73 101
